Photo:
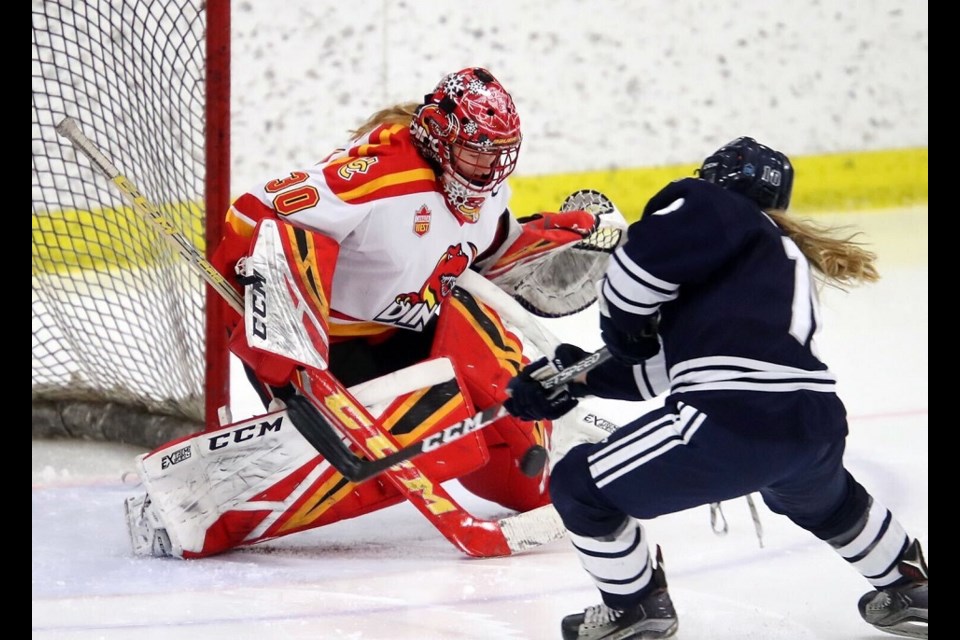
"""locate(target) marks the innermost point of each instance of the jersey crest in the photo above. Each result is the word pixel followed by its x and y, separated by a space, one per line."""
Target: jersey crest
pixel 421 221
pixel 413 310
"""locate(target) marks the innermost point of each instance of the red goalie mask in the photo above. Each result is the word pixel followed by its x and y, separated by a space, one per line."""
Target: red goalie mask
pixel 469 128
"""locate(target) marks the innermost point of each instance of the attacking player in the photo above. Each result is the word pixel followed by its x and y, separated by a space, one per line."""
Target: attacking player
pixel 715 283
pixel 350 268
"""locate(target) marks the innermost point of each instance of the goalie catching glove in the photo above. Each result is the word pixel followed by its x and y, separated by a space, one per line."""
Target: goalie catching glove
pixel 551 262
pixel 529 400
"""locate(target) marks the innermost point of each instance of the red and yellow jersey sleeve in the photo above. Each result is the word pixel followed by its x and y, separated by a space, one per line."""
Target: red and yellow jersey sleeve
pixel 381 165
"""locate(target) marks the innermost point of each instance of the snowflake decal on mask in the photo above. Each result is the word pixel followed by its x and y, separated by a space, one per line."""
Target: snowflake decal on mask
pixel 453 84
pixel 456 192
pixel 477 86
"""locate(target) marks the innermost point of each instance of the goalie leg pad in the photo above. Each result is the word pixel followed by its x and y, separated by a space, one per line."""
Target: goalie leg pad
pixel 259 479
pixel 488 355
pixel 192 481
pixel 502 480
pixel 412 416
pixel 148 537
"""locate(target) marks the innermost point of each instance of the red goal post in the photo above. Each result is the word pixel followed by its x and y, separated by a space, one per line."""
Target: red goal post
pixel 128 343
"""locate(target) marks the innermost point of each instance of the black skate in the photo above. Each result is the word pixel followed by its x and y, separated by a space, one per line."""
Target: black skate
pixel 901 610
pixel 654 617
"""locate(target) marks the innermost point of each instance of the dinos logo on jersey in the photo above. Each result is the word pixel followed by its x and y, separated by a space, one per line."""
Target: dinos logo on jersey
pixel 421 220
pixel 470 208
pixel 413 310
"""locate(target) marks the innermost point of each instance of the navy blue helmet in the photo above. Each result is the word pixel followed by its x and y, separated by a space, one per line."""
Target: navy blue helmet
pixel 744 165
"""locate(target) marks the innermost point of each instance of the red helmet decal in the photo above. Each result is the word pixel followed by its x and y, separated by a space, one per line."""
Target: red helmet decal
pixel 470 130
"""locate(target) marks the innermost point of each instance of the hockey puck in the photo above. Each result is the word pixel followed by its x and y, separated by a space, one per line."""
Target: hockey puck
pixel 532 462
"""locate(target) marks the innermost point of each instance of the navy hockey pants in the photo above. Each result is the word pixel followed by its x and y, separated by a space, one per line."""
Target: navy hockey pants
pixel 676 457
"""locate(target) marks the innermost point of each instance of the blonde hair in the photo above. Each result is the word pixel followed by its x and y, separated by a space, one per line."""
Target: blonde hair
pixel 835 256
pixel 397 114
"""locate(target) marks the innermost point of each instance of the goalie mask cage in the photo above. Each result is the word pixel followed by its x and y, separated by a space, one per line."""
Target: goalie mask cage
pixel 128 343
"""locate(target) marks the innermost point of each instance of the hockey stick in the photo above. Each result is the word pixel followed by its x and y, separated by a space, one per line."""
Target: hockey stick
pixel 533 330
pixel 358 469
pixel 473 536
pixel 70 129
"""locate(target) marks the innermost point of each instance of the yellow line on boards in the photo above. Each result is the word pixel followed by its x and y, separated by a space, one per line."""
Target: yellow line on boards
pixel 64 241
pixel 834 182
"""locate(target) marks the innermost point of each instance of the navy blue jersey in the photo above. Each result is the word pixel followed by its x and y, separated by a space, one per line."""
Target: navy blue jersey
pixel 738 311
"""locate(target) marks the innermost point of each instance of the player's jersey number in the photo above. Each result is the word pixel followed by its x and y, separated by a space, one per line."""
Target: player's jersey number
pixel 290 197
pixel 805 309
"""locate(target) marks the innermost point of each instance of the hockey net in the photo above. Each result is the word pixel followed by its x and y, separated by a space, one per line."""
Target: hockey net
pixel 127 342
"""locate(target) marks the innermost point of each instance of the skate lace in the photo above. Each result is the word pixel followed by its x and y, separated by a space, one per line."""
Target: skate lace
pixel 599 615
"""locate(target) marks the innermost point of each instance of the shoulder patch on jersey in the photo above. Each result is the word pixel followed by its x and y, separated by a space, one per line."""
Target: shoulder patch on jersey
pixel 390 167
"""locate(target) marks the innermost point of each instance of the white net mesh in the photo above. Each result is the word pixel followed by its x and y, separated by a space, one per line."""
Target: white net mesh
pixel 118 321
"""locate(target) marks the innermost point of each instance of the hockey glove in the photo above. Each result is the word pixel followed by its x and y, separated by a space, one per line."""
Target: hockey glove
pixel 583 223
pixel 529 400
pixel 630 348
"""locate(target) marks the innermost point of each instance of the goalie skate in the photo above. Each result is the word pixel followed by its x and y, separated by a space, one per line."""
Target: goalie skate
pixel 147 535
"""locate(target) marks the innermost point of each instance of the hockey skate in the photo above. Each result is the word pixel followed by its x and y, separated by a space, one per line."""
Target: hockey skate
pixel 654 617
pixel 148 537
pixel 901 610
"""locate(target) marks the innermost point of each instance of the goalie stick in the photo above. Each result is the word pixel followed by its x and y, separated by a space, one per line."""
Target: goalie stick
pixel 475 537
pixel 357 469
pixel 70 129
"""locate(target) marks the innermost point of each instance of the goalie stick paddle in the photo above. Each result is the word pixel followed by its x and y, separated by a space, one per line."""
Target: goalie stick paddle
pixel 322 436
